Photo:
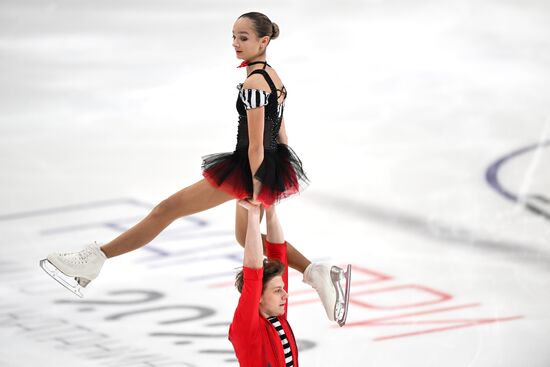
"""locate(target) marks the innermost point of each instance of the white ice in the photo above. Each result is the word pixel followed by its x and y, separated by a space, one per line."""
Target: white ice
pixel 398 109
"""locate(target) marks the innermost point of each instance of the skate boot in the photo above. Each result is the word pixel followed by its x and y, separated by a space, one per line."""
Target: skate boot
pixel 75 270
pixel 327 281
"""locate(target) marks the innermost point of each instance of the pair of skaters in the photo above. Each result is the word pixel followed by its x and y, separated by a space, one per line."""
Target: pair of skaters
pixel 261 170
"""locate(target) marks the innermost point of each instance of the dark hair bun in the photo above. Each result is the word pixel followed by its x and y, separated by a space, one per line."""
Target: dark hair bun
pixel 262 25
pixel 275 31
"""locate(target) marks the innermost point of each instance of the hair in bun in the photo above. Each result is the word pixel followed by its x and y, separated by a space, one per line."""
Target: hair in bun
pixel 275 31
pixel 263 26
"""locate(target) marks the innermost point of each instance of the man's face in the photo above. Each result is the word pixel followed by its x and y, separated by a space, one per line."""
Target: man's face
pixel 274 297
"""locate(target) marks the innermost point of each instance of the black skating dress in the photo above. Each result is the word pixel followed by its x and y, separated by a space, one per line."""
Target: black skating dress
pixel 280 172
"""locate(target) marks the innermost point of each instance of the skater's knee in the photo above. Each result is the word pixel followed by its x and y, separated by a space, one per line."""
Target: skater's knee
pixel 164 210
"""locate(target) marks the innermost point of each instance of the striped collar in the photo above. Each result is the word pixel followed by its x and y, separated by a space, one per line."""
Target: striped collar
pixel 289 362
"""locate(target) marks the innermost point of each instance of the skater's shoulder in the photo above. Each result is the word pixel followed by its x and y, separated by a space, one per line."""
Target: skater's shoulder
pixel 256 81
pixel 262 79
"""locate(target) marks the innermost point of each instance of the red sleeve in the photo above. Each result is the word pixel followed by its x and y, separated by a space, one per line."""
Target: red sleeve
pixel 246 319
pixel 277 251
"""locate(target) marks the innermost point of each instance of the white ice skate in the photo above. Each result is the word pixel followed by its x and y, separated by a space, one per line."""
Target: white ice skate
pixel 342 295
pixel 327 281
pixel 75 270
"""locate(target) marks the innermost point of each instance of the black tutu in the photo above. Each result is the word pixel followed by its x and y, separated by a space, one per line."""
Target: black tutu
pixel 280 173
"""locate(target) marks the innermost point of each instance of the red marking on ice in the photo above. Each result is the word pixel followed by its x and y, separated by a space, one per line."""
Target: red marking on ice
pixel 221 284
pixel 424 301
pixel 439 296
pixel 451 324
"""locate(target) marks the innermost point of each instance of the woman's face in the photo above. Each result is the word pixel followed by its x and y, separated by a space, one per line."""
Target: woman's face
pixel 274 297
pixel 245 42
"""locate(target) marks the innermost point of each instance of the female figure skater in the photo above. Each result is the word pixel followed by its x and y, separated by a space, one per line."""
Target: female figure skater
pixel 262 168
pixel 260 333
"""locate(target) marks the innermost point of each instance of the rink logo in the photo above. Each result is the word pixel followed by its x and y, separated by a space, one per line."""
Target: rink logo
pixel 536 202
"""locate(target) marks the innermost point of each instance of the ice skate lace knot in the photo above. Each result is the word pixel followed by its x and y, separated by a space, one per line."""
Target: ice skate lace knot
pixel 80 257
pixel 84 254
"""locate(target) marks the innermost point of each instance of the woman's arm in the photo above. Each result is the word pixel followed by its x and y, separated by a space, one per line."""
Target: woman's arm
pixel 255 118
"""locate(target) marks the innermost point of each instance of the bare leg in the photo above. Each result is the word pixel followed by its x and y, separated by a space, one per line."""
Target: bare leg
pixel 296 260
pixel 193 199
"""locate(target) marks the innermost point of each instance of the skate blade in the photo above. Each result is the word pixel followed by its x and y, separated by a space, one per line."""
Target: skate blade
pixel 61 278
pixel 342 296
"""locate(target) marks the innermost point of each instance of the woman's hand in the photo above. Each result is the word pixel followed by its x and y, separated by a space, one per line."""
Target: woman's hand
pixel 254 202
pixel 248 204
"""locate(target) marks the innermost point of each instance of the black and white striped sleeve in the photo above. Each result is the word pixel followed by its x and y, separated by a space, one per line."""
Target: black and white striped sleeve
pixel 254 98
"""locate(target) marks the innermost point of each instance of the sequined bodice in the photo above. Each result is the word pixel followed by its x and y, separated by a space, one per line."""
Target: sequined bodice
pixel 273 116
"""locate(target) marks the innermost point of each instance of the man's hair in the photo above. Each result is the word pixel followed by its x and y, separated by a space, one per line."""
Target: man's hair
pixel 272 268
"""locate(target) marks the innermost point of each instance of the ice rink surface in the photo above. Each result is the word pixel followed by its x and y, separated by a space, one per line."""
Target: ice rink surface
pixel 423 125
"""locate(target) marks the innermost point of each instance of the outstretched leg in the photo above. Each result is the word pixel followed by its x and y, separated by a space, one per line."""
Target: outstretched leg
pixel 192 199
pixel 85 265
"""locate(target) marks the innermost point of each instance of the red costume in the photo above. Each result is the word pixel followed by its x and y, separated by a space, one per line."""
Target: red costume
pixel 255 340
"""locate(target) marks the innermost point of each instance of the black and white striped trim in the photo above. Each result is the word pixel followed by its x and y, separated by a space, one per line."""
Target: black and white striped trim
pixel 286 345
pixel 254 98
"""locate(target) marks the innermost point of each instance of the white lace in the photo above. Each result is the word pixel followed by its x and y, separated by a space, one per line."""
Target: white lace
pixel 80 257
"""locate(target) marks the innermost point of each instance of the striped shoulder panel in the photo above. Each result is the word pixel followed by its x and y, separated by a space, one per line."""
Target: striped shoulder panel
pixel 254 98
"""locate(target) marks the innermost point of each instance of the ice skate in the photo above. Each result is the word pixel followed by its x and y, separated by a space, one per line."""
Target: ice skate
pixel 337 275
pixel 74 270
pixel 326 280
